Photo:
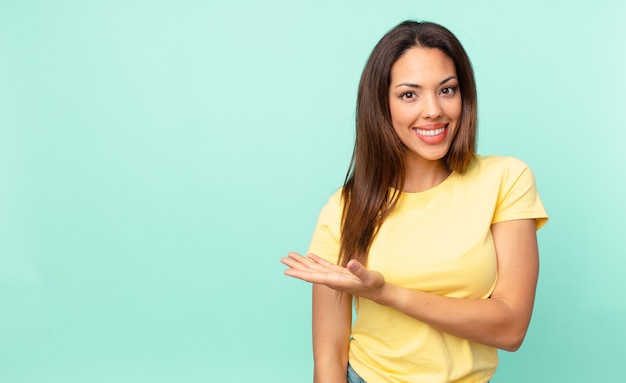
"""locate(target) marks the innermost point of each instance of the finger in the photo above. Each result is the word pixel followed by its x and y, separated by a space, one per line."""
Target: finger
pixel 308 270
pixel 296 256
pixel 296 263
pixel 319 260
pixel 324 265
pixel 314 262
pixel 358 270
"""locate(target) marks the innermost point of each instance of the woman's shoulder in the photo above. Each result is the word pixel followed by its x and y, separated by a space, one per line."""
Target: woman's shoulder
pixel 334 204
pixel 496 165
pixel 336 199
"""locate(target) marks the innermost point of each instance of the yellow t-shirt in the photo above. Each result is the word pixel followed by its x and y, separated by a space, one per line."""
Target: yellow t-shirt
pixel 437 241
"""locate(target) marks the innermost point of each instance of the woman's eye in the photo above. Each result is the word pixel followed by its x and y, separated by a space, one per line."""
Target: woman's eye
pixel 407 95
pixel 449 90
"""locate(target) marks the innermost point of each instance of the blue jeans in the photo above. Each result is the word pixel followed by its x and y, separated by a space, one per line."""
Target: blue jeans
pixel 353 377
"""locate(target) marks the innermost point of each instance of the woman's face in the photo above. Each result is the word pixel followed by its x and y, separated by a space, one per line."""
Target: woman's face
pixel 425 103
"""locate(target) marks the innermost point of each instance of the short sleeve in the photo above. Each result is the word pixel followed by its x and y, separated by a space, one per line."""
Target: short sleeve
pixel 518 197
pixel 326 236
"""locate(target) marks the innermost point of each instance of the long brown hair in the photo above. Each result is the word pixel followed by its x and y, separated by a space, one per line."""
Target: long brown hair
pixel 378 157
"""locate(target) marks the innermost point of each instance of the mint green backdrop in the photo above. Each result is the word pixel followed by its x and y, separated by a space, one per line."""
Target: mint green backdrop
pixel 157 158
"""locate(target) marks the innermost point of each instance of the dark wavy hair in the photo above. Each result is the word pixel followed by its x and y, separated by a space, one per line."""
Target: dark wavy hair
pixel 378 158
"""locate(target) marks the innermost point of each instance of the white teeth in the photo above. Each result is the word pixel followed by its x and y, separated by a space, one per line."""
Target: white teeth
pixel 430 132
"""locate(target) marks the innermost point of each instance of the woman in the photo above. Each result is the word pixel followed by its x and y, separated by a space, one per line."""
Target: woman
pixel 436 245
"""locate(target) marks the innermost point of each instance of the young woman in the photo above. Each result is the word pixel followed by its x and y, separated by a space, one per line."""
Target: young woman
pixel 435 244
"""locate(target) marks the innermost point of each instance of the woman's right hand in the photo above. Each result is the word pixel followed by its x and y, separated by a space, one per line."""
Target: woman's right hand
pixel 354 279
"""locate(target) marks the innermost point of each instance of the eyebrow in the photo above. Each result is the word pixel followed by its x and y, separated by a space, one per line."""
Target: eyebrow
pixel 411 85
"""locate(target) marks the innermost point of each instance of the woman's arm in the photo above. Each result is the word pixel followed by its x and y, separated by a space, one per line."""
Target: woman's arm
pixel 500 321
pixel 332 319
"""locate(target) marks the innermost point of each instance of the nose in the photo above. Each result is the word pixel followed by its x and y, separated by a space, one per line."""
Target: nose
pixel 432 108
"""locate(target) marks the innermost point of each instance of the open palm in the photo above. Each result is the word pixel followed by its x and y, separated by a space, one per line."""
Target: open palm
pixel 353 279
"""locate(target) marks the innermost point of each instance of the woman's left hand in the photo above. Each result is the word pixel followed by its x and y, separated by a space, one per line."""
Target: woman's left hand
pixel 354 279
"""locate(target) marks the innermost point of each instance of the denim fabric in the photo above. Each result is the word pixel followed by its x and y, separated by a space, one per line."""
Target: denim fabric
pixel 353 377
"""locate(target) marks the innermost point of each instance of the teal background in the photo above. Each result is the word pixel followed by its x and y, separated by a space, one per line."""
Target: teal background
pixel 157 158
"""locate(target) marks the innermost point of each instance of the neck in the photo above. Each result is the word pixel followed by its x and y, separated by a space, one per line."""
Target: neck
pixel 424 175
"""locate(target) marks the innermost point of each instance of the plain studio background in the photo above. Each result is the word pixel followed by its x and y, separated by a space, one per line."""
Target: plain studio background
pixel 157 158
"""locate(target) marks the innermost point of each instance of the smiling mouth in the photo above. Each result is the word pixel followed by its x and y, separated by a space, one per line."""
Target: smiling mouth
pixel 430 132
